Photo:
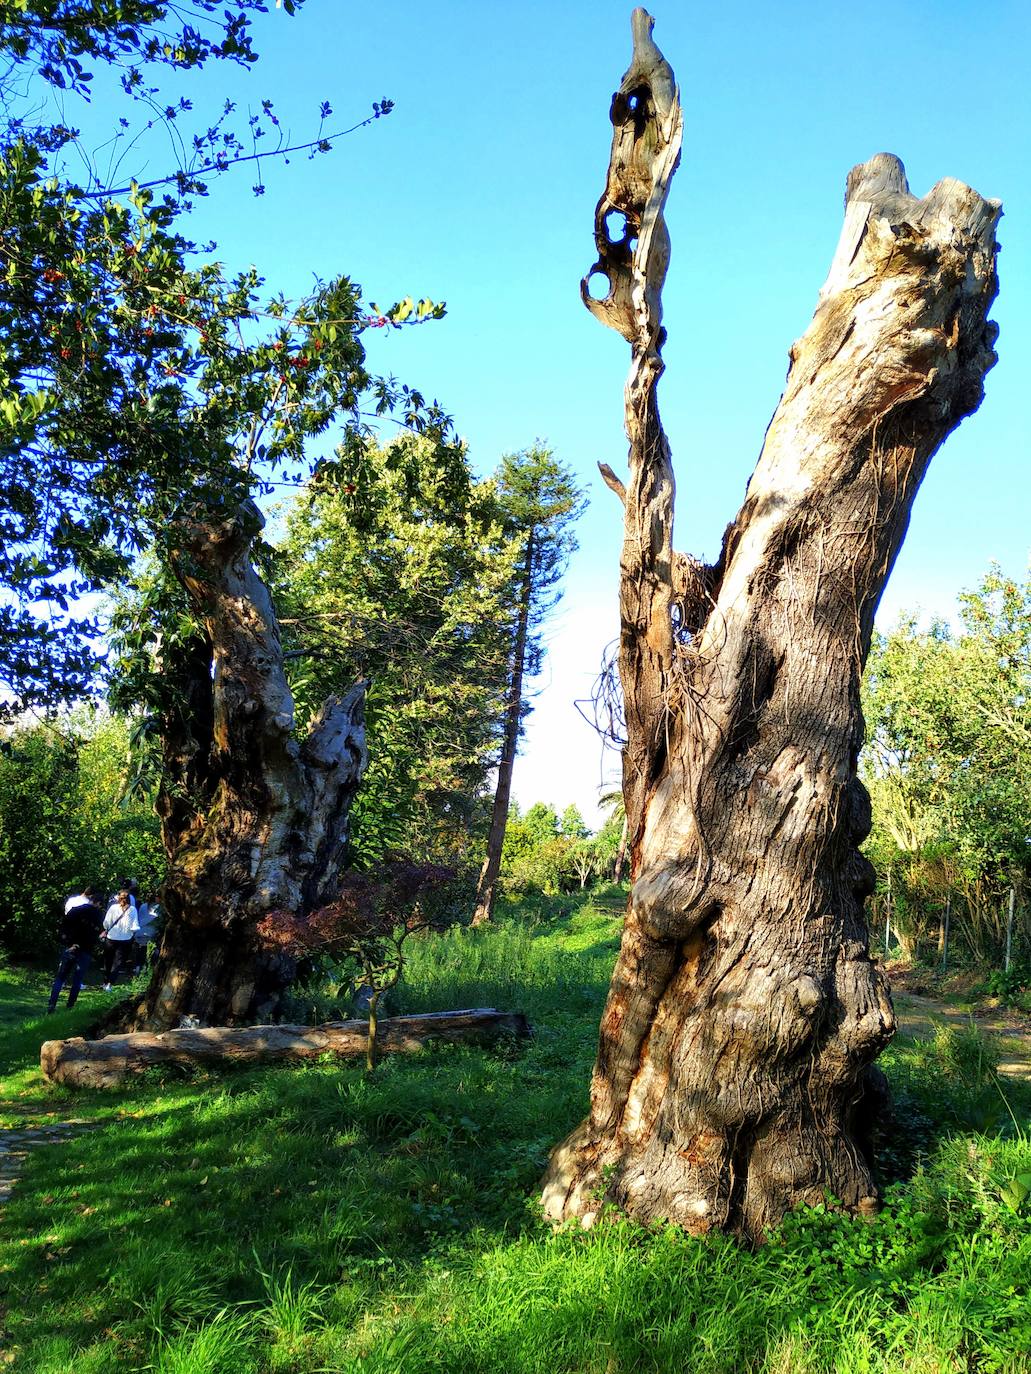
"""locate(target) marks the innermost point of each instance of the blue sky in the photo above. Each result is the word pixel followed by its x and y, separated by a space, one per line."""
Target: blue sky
pixel 479 189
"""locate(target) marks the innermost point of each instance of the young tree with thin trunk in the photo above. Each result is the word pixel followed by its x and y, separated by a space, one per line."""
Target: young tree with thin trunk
pixel 612 802
pixel 744 1015
pixel 540 500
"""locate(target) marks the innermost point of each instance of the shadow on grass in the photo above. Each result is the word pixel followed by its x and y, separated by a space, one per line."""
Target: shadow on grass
pixel 371 1225
pixel 322 1170
pixel 342 1179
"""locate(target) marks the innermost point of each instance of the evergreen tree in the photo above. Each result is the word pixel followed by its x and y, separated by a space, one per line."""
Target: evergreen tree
pixel 399 572
pixel 540 500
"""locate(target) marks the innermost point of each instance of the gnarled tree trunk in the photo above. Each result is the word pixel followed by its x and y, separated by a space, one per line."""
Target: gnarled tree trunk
pixel 745 1012
pixel 252 820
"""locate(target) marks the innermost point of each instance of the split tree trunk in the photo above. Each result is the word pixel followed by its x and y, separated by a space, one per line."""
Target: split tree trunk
pixel 487 887
pixel 253 821
pixel 744 1010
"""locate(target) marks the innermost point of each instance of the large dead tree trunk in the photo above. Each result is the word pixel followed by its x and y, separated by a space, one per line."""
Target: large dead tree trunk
pixel 252 819
pixel 744 1010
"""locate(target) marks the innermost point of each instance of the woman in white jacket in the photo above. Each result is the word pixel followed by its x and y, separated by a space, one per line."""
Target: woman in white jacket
pixel 120 925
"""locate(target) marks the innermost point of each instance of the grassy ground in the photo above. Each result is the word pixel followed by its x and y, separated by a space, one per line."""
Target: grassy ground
pixel 316 1219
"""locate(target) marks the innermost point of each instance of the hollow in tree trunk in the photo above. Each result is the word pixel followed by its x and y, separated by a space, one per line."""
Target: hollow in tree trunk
pixel 253 820
pixel 733 1068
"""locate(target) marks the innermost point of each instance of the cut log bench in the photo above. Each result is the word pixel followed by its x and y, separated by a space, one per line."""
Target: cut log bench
pixel 106 1062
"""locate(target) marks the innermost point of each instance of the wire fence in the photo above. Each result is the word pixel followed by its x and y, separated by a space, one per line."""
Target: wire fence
pixel 953 931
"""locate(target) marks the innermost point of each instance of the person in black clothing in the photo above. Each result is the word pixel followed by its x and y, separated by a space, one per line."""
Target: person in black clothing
pixel 80 928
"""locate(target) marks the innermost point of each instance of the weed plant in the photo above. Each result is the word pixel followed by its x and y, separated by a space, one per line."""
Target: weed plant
pixel 315 1219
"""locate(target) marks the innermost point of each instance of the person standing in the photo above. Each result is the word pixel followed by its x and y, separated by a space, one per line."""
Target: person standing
pixel 147 914
pixel 120 926
pixel 80 926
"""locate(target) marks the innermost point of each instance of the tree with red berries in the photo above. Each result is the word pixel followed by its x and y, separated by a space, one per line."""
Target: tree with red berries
pixel 108 321
pixel 147 399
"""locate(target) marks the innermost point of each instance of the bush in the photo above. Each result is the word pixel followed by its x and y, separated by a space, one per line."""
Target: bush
pixel 1008 985
pixel 63 824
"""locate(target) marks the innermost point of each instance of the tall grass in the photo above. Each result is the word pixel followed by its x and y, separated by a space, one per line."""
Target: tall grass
pixel 290 1221
pixel 514 965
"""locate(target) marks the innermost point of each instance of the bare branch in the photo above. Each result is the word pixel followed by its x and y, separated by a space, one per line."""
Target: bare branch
pixel 612 481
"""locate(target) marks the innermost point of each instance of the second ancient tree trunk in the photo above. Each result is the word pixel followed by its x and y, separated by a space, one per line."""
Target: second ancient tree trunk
pixel 253 820
pixel 732 1075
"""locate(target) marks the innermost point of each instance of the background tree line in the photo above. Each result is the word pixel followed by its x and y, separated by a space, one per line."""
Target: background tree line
pixel 416 586
pixel 407 572
pixel 66 819
pixel 948 765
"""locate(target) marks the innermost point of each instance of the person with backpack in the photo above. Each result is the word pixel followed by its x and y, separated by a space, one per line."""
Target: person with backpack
pixel 80 926
pixel 120 926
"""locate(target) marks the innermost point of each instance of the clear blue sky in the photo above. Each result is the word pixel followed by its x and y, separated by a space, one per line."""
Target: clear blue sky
pixel 480 188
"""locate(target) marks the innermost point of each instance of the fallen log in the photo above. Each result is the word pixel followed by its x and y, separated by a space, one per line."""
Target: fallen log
pixel 103 1063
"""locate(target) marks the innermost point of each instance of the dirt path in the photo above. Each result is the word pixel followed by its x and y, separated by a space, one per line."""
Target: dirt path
pixel 919 1017
pixel 16 1142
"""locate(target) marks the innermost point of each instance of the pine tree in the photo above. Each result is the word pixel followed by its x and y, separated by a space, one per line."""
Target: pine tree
pixel 540 500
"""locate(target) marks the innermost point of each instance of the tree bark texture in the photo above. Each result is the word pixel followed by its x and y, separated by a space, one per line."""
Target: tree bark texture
pixel 487 887
pixel 252 819
pixel 106 1062
pixel 734 1063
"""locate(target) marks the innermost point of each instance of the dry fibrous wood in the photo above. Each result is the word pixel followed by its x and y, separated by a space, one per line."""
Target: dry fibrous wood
pixel 733 1079
pixel 253 819
pixel 106 1062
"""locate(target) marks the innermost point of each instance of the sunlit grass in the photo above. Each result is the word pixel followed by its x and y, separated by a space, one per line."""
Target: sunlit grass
pixel 317 1219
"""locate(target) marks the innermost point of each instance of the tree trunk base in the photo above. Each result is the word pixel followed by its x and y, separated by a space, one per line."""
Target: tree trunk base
pixel 219 976
pixel 105 1063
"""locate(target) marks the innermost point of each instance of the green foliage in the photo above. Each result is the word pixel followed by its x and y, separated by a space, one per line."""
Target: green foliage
pixel 38 797
pixel 136 384
pixel 63 823
pixel 98 310
pixel 54 35
pixel 540 502
pixel 396 568
pixel 548 853
pixel 314 1218
pixel 1008 984
pixel 948 763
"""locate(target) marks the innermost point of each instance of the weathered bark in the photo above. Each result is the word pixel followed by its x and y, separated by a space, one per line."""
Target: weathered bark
pixel 744 1010
pixel 252 820
pixel 104 1063
pixel 487 887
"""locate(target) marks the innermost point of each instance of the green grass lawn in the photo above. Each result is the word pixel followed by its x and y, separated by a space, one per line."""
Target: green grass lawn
pixel 317 1219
